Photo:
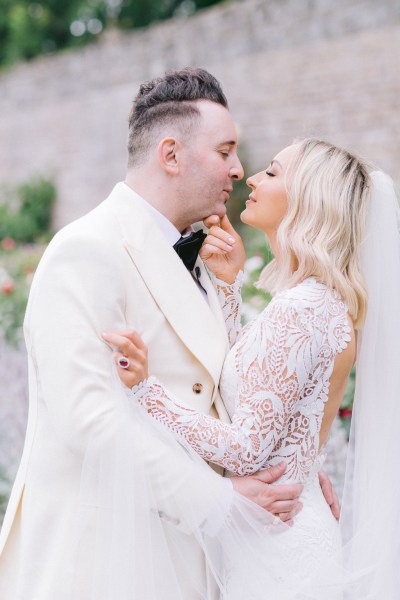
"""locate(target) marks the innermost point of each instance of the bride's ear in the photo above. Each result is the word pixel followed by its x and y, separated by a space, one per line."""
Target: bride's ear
pixel 169 151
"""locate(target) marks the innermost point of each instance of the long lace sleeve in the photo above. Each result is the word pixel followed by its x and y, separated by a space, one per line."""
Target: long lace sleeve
pixel 231 301
pixel 277 359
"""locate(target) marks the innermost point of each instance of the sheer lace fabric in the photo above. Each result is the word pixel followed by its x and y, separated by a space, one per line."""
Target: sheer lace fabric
pixel 281 363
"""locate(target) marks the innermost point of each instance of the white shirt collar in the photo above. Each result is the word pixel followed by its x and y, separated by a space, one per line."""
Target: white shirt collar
pixel 168 229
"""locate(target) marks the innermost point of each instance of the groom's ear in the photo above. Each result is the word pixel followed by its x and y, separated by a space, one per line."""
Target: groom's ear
pixel 168 155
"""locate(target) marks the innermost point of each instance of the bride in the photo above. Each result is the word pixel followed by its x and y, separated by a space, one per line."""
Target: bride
pixel 334 231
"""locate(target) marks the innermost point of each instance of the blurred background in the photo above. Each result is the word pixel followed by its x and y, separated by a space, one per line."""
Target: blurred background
pixel 68 74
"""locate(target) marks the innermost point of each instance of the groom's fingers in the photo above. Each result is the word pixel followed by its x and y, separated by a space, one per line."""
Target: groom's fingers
pixel 287 517
pixel 272 474
pixel 329 494
pixel 280 500
pixel 288 491
pixel 283 506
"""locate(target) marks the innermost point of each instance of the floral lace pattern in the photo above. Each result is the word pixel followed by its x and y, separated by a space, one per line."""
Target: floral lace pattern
pixel 231 301
pixel 283 362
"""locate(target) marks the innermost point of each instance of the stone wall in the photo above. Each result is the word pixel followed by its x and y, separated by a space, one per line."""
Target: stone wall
pixel 289 68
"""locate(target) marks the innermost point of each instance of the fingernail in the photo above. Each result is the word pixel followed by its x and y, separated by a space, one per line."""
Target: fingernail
pixel 231 240
pixel 228 247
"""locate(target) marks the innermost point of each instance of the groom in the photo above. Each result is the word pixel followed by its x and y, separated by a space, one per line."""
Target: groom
pixel 113 269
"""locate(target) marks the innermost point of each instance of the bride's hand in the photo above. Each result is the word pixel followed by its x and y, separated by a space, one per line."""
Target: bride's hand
pixel 131 350
pixel 222 251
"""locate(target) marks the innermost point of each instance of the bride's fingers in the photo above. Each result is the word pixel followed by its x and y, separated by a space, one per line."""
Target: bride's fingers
pixel 220 234
pixel 134 366
pixel 133 336
pixel 132 373
pixel 211 220
pixel 126 346
pixel 207 250
pixel 212 240
pixel 226 225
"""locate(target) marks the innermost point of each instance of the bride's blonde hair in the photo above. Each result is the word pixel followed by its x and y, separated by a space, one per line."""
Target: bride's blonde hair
pixel 321 235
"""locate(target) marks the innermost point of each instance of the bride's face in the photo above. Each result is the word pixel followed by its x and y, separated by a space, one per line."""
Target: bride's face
pixel 267 203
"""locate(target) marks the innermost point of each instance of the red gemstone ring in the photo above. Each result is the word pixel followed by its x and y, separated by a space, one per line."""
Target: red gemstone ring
pixel 124 362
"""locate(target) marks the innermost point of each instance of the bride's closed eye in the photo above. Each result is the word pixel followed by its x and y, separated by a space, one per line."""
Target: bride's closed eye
pixel 270 174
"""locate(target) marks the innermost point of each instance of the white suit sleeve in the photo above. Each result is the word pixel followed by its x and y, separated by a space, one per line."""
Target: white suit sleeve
pixel 78 293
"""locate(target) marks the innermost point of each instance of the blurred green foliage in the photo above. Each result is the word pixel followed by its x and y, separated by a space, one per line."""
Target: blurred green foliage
pixel 27 217
pixel 17 266
pixel 25 227
pixel 28 29
pixel 4 493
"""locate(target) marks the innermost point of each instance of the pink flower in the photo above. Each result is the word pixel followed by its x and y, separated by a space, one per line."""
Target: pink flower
pixel 8 286
pixel 345 413
pixel 8 243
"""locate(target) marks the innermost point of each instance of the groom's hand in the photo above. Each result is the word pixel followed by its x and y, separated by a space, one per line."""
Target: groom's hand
pixel 281 500
pixel 329 494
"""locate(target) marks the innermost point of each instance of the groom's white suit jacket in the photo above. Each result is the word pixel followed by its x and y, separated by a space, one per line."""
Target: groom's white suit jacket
pixel 110 270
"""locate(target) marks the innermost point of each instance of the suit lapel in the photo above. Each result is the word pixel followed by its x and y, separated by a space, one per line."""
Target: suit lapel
pixel 199 325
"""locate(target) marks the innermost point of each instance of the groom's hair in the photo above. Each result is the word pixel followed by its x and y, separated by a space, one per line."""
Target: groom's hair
pixel 167 105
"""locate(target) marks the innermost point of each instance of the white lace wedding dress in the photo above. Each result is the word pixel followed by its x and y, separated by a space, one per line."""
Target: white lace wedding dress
pixel 275 383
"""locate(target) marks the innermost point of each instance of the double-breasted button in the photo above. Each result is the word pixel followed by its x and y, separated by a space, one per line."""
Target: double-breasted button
pixel 197 388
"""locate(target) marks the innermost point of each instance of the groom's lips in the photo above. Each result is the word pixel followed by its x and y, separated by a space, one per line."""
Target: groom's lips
pixel 228 192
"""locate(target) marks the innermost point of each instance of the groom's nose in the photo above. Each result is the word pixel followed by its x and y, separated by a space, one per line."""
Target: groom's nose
pixel 236 171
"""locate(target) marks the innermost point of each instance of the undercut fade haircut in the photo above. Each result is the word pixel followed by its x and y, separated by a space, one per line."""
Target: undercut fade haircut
pixel 167 105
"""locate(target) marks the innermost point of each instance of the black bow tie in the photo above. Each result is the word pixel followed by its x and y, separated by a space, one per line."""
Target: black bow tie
pixel 188 248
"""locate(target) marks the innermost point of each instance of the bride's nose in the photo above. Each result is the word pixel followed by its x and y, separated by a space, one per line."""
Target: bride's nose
pixel 251 182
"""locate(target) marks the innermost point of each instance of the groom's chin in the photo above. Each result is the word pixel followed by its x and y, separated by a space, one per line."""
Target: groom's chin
pixel 220 211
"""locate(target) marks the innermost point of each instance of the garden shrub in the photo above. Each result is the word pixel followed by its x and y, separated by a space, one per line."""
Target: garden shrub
pixel 28 219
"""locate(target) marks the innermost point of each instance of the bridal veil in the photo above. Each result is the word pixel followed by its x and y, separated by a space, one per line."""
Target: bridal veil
pixel 370 519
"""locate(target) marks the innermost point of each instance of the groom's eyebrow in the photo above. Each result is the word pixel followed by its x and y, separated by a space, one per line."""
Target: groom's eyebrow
pixel 229 143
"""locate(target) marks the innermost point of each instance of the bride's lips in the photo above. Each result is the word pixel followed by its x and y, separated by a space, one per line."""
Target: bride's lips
pixel 250 201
